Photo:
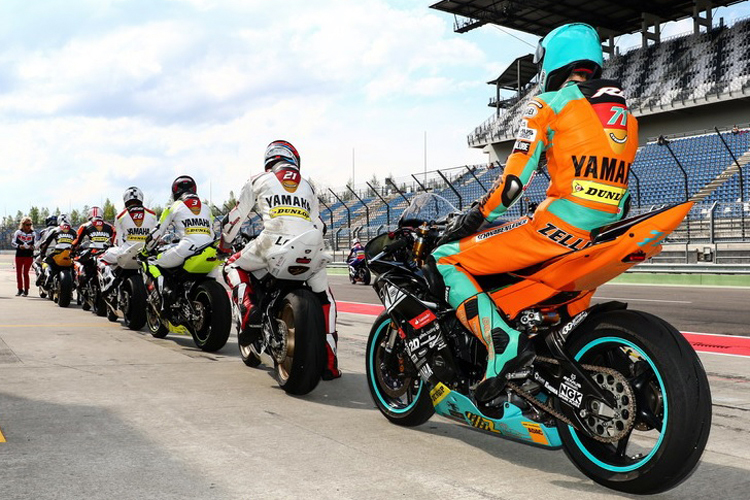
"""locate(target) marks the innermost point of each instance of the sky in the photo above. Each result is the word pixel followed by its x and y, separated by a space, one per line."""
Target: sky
pixel 99 95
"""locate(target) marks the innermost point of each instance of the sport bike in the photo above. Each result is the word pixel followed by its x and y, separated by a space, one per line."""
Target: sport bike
pixel 359 272
pixel 293 330
pixel 621 391
pixel 123 291
pixel 190 297
pixel 56 275
pixel 88 293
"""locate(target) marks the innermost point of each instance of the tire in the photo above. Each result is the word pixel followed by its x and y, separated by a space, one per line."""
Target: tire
pixel 672 403
pixel 367 277
pixel 249 356
pixel 211 332
pixel 42 293
pixel 387 388
pixel 111 316
pixel 155 325
pixel 133 303
pixel 300 371
pixel 100 306
pixel 65 281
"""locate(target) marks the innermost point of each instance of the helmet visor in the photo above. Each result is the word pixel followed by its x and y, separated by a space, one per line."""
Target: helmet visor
pixel 539 54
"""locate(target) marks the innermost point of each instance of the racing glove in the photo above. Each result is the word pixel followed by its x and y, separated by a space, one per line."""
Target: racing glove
pixel 464 225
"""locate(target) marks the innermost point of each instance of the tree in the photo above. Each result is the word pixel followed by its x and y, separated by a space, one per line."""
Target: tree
pixel 158 209
pixel 110 212
pixel 229 204
pixel 375 183
pixel 75 217
pixel 35 216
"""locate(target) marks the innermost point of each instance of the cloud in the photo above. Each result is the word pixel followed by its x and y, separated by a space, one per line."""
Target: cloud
pixel 138 92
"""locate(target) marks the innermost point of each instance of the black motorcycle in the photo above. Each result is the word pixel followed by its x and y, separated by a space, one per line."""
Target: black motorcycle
pixel 359 272
pixel 621 391
pixel 88 293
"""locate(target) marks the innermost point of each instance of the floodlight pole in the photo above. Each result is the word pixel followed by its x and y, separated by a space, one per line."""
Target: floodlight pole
pixel 742 184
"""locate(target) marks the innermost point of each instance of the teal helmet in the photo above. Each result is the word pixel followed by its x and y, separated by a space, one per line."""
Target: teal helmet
pixel 567 48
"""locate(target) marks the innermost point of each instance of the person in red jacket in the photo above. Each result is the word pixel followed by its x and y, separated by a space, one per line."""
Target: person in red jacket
pixel 23 242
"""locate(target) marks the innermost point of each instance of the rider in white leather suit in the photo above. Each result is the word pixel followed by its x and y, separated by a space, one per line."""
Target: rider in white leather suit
pixel 289 206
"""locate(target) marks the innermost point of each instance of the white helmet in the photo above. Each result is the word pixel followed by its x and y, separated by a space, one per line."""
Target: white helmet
pixel 96 213
pixel 132 196
pixel 63 220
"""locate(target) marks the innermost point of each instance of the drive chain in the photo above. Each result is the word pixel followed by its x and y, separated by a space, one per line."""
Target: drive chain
pixel 630 406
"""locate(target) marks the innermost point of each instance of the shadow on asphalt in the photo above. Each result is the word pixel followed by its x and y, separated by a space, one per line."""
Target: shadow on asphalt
pixel 87 452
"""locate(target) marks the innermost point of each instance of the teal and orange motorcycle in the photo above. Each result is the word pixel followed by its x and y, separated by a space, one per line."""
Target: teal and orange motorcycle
pixel 188 296
pixel 620 391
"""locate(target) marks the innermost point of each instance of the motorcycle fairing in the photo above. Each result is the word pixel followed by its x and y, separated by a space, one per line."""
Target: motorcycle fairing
pixel 512 425
pixel 298 258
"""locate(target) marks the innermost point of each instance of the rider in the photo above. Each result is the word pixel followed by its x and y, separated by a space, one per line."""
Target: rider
pixel 192 221
pixel 132 226
pixel 269 190
pixel 356 254
pixel 583 126
pixel 98 231
pixel 49 224
pixel 63 234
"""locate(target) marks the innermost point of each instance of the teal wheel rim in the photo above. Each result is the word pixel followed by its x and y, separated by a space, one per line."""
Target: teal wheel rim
pixel 641 461
pixel 373 380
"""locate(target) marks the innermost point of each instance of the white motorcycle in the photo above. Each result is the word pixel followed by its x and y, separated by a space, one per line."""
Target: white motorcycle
pixel 293 327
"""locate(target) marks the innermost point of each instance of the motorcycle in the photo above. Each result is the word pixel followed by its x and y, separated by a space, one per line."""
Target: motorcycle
pixel 621 391
pixel 88 292
pixel 359 273
pixel 55 275
pixel 191 298
pixel 293 331
pixel 123 291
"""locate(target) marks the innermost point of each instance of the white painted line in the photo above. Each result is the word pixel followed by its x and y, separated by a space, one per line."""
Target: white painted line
pixel 645 300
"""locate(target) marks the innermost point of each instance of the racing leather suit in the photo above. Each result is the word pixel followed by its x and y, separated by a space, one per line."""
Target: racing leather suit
pixel 289 206
pixel 192 221
pixel 132 227
pixel 356 255
pixel 62 235
pixel 97 231
pixel 590 139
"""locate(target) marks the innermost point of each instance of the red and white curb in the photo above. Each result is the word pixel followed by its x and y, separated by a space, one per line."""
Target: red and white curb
pixel 732 345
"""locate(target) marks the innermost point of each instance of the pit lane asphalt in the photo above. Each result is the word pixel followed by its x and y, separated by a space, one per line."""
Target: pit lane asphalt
pixel 92 410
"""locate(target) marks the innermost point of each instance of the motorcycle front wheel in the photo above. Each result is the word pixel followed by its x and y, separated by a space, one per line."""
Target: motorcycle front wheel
pixel 672 403
pixel 301 317
pixel 402 399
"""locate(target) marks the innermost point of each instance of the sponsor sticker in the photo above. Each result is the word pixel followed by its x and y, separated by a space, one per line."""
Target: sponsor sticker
pixel 289 212
pixel 438 393
pixel 596 191
pixel 526 134
pixel 521 147
pixel 423 319
pixel 536 432
pixel 500 230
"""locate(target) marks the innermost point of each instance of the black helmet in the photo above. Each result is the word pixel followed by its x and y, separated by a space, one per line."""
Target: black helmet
pixel 281 151
pixel 51 221
pixel 183 184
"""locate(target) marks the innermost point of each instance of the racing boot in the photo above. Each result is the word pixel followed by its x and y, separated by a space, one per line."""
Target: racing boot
pixel 331 371
pixel 507 349
pixel 251 320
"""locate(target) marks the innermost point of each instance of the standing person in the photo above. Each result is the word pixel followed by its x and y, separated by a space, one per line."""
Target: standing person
pixel 595 141
pixel 23 242
pixel 289 207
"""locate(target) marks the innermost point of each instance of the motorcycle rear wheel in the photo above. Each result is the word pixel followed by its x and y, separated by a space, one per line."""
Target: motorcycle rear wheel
pixel 672 403
pixel 133 303
pixel 212 329
pixel 65 289
pixel 155 325
pixel 302 315
pixel 402 400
